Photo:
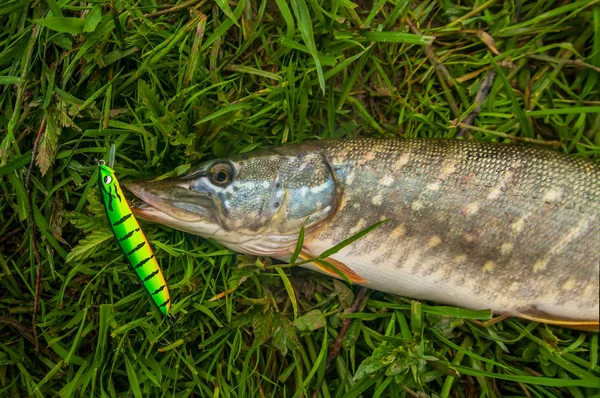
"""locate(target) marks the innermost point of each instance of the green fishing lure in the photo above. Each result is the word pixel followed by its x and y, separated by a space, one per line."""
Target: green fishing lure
pixel 132 240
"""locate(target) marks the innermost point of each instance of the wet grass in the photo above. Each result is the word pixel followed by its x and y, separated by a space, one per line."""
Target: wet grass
pixel 170 84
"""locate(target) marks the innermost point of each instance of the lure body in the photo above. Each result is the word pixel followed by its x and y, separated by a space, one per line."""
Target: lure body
pixel 132 240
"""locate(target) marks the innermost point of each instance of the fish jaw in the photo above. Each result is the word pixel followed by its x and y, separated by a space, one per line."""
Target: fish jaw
pixel 158 206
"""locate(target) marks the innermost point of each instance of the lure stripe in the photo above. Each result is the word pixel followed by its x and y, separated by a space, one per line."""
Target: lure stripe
pixel 165 303
pixel 160 289
pixel 137 251
pixel 122 219
pixel 110 200
pixel 129 235
pixel 152 275
pixel 138 247
pixel 144 261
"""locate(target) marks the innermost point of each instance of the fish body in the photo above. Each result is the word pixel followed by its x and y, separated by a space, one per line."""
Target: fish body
pixel 509 228
pixel 131 239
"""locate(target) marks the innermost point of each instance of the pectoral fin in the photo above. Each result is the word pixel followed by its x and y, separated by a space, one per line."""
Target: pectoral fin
pixel 325 267
pixel 536 315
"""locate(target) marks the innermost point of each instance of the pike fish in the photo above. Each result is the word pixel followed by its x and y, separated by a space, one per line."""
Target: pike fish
pixel 510 228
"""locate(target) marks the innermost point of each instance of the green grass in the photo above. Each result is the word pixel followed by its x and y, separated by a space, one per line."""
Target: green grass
pixel 208 79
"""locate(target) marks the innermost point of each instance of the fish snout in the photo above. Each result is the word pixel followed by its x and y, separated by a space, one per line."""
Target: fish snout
pixel 161 198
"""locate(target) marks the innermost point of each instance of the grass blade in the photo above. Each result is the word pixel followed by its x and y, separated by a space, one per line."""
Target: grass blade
pixel 524 121
pixel 535 380
pixel 399 37
pixel 287 17
pixel 289 289
pixel 63 24
pixel 350 240
pixel 299 245
pixel 306 30
pixel 133 379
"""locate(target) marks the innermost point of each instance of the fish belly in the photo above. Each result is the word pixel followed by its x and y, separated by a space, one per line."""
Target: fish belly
pixel 505 228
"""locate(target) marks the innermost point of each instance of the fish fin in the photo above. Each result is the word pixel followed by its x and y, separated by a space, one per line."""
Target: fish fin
pixel 533 314
pixel 343 268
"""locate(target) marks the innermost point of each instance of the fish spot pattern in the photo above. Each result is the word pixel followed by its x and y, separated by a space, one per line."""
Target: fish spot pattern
pixel 489 266
pixel 377 199
pixel 479 210
pixel 506 248
pixel 434 241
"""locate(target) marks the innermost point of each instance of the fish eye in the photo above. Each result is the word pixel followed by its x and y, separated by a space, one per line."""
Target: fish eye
pixel 221 174
pixel 107 179
pixel 221 177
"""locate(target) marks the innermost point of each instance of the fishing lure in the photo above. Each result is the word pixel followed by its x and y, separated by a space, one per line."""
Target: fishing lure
pixel 132 240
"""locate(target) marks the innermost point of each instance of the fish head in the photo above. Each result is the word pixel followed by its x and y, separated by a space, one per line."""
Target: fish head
pixel 254 203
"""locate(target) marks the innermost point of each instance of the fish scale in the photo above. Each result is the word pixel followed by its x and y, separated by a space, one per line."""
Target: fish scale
pixel 480 225
pixel 470 227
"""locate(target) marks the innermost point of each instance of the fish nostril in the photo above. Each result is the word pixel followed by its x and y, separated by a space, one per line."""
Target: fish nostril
pixel 276 204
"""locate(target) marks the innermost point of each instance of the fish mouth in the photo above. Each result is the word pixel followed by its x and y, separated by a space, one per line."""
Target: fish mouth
pixel 164 202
